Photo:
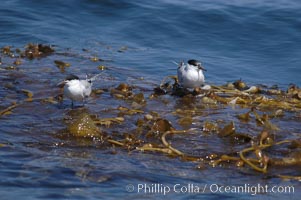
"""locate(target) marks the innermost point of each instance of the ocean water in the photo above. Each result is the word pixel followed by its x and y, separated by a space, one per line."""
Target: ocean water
pixel 257 41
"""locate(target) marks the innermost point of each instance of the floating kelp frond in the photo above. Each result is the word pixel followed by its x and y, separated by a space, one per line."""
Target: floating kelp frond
pixel 95 59
pixel 288 177
pixel 245 117
pixel 6 50
pixel 82 125
pixel 210 127
pixel 227 130
pixel 127 111
pixel 168 145
pixel 293 160
pixel 8 109
pixel 61 65
pixel 122 91
pixel 139 98
pixel 102 67
pixel 187 112
pixel 33 51
pixel 240 85
pixel 161 126
pixel 123 87
pixel 294 91
pixel 28 93
pixel 109 121
pixel 17 61
pixel 2 145
pixel 185 121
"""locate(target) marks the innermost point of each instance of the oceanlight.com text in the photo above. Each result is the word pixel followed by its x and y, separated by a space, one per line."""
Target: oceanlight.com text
pixel 164 189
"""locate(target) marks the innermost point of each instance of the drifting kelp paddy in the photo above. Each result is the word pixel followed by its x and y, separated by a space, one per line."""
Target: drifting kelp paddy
pixel 245 128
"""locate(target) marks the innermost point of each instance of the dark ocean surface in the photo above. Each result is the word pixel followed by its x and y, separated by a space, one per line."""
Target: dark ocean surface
pixel 257 41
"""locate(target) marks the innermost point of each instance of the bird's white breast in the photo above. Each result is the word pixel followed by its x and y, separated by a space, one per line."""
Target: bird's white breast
pixel 74 90
pixel 190 77
pixel 87 87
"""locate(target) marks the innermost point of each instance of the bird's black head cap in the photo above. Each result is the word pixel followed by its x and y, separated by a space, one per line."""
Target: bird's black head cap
pixel 194 62
pixel 71 77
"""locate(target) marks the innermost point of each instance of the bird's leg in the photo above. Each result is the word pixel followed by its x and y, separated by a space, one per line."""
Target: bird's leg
pixel 199 79
pixel 84 100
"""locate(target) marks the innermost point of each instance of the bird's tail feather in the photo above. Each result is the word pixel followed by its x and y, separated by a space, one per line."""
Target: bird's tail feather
pixel 93 78
pixel 175 62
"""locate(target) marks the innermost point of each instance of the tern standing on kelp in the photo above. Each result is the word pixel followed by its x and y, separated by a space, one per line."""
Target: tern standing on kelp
pixel 191 75
pixel 76 89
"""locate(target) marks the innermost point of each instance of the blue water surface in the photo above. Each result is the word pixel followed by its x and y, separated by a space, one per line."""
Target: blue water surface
pixel 257 41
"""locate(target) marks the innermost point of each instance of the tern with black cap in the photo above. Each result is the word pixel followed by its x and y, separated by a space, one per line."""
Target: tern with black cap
pixel 190 75
pixel 76 89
